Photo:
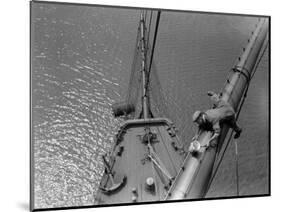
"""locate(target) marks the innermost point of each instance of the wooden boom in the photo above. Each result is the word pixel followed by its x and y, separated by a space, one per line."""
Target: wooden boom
pixel 193 179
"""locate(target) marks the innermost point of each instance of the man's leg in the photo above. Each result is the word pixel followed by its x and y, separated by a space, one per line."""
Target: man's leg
pixel 235 127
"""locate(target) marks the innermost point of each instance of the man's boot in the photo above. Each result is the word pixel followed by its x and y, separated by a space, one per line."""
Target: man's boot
pixel 237 133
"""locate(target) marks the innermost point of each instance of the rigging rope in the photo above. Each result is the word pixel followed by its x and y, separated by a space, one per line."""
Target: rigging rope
pixel 166 148
pixel 159 102
pixel 237 167
pixel 135 76
pixel 154 41
pixel 148 33
pixel 238 113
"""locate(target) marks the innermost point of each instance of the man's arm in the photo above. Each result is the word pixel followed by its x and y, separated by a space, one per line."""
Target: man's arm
pixel 217 130
pixel 215 99
pixel 215 135
pixel 197 134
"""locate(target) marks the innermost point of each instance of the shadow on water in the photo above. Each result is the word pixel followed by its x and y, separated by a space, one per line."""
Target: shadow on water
pixel 23 206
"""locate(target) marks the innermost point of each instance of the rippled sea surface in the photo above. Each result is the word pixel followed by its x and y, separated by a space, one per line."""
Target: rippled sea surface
pixel 81 59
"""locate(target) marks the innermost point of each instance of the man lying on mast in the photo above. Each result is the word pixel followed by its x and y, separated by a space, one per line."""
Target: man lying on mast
pixel 211 120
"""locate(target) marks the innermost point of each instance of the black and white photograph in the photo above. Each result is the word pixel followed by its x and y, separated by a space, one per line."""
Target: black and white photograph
pixel 137 105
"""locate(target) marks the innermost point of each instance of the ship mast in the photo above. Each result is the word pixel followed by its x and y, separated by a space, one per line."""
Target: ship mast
pixel 194 177
pixel 143 47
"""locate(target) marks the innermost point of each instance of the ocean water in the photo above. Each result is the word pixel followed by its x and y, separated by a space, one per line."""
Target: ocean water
pixel 81 60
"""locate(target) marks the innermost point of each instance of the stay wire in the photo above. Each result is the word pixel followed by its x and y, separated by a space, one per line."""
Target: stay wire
pixel 154 41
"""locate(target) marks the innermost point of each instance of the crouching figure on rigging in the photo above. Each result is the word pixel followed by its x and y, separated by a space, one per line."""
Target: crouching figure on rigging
pixel 212 119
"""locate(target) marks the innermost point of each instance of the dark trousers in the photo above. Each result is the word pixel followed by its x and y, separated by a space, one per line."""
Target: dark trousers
pixel 231 122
